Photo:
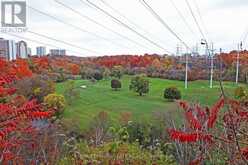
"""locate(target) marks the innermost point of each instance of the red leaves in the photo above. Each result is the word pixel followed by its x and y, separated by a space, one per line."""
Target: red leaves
pixel 7 156
pixel 192 120
pixel 6 79
pixel 4 132
pixel 40 115
pixel 6 91
pixel 197 161
pixel 244 152
pixel 214 112
pixel 21 68
pixel 17 114
pixel 184 105
pixel 189 137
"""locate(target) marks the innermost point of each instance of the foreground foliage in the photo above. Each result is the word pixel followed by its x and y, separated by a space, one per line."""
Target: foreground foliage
pixel 211 136
pixel 19 140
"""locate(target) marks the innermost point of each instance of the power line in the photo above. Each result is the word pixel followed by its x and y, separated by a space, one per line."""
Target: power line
pixel 73 26
pixel 150 9
pixel 63 42
pixel 99 24
pixel 126 18
pixel 194 17
pixel 126 26
pixel 39 42
pixel 182 17
pixel 200 15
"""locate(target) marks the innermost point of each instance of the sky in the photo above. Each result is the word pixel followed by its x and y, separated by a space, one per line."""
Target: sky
pixel 222 22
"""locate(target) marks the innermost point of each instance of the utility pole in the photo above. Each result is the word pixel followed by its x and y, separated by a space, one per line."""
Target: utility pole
pixel 178 53
pixel 186 71
pixel 237 63
pixel 212 65
pixel 221 64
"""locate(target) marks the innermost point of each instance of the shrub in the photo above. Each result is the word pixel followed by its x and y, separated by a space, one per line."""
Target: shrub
pixel 119 153
pixel 172 93
pixel 98 75
pixel 240 92
pixel 57 102
pixel 86 73
pixel 115 84
pixel 117 72
pixel 106 73
pixel 139 85
pixel 61 77
pixel 99 128
pixel 35 87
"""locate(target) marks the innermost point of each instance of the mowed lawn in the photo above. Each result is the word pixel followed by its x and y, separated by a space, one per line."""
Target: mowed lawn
pixel 99 97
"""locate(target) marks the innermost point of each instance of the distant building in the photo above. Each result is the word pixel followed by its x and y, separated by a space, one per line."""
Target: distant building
pixel 57 52
pixel 21 49
pixel 7 49
pixel 29 52
pixel 41 51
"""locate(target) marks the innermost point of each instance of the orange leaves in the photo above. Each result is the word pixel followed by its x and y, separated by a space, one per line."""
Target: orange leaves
pixel 39 115
pixel 41 62
pixel 21 69
pixel 75 69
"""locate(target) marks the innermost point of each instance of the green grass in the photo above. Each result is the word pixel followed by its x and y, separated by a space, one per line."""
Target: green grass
pixel 100 97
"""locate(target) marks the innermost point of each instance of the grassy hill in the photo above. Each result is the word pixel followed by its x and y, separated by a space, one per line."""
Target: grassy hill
pixel 99 97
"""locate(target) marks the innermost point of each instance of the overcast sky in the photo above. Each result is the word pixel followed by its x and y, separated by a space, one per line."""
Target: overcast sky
pixel 223 22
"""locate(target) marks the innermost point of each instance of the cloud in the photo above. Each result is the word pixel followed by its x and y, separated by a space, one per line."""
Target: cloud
pixel 224 23
pixel 230 3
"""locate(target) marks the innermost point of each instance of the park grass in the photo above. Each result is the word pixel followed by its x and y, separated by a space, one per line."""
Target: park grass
pixel 99 97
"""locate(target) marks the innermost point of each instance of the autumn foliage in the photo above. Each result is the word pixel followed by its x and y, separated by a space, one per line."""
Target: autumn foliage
pixel 208 130
pixel 17 119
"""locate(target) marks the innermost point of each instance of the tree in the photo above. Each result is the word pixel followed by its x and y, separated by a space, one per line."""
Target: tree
pixel 106 73
pixel 115 84
pixel 139 85
pixel 57 102
pixel 156 64
pixel 172 93
pixel 98 75
pixel 87 73
pixel 75 69
pixel 117 71
pixel 18 133
pixel 71 92
pixel 36 87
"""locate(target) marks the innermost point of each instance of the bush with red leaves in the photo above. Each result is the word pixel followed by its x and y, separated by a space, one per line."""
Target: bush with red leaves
pixel 17 121
pixel 207 132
